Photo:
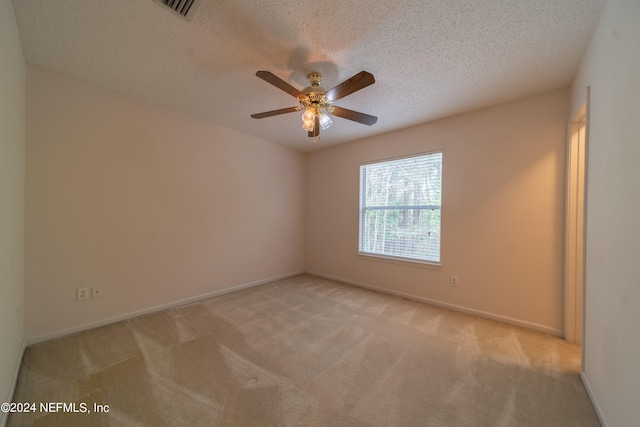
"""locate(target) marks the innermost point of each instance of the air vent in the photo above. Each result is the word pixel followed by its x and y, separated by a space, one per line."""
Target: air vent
pixel 185 8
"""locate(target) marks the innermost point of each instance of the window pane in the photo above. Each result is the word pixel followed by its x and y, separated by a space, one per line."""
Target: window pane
pixel 400 207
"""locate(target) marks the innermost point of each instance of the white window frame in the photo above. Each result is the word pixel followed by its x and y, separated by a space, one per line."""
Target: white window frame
pixel 364 208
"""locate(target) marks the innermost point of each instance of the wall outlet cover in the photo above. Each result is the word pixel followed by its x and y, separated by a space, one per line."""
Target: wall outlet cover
pixel 82 294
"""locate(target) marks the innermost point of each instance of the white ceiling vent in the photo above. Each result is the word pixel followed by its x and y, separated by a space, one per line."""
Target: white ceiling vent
pixel 185 8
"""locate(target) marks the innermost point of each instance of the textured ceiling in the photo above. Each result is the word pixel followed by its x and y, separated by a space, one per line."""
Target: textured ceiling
pixel 430 58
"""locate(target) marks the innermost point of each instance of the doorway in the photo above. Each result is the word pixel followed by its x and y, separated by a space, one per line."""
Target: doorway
pixel 575 223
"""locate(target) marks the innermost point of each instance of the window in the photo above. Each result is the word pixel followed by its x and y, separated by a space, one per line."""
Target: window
pixel 400 203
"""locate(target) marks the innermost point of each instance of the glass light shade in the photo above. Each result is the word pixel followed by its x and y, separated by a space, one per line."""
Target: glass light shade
pixel 307 125
pixel 325 121
pixel 308 118
pixel 309 114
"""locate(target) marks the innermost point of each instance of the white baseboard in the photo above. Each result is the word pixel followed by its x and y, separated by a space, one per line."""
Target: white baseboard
pixel 14 381
pixel 512 321
pixel 594 402
pixel 173 304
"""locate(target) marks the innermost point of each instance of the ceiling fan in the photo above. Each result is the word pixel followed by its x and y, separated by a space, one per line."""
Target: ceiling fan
pixel 316 101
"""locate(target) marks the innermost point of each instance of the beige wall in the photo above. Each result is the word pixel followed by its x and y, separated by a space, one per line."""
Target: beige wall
pixel 150 205
pixel 503 211
pixel 12 146
pixel 612 341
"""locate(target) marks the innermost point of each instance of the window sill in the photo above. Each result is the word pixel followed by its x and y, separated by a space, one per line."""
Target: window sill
pixel 402 261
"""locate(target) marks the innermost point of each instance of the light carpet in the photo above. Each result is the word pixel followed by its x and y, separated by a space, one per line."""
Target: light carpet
pixel 306 351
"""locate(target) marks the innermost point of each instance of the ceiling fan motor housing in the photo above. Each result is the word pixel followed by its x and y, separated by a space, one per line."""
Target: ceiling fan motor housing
pixel 315 93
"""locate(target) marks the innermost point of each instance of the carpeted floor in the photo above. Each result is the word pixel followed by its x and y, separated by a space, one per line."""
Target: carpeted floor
pixel 306 351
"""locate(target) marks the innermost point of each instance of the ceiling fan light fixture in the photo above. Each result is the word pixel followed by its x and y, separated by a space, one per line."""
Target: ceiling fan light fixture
pixel 325 120
pixel 308 118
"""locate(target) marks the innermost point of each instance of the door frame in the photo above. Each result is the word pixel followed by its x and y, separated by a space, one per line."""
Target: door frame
pixel 575 223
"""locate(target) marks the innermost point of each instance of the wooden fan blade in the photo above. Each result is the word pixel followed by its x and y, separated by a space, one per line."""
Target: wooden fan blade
pixel 275 112
pixel 280 84
pixel 355 83
pixel 345 113
pixel 316 128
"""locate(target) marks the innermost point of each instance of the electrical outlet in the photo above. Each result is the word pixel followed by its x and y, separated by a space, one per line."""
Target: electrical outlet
pixel 454 281
pixel 82 294
pixel 96 292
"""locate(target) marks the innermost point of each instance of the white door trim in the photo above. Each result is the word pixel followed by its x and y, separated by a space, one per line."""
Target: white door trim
pixel 575 222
